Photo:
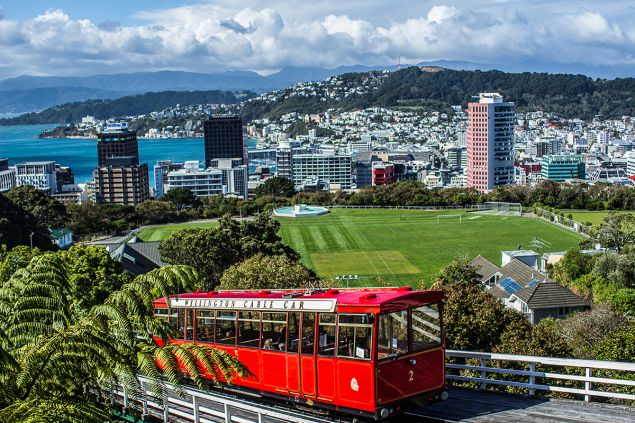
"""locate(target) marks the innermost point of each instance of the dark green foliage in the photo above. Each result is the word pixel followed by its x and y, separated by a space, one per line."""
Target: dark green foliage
pixel 180 198
pixel 46 210
pixel 617 230
pixel 126 106
pixel 276 187
pixel 19 227
pixel 268 272
pixel 212 251
pixel 458 271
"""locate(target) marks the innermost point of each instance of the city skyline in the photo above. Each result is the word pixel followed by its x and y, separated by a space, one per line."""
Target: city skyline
pixel 64 38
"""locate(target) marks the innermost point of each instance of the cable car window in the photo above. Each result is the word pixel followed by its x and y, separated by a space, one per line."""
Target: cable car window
pixel 294 332
pixel 274 331
pixel 354 336
pixel 426 327
pixel 392 334
pixel 205 325
pixel 308 333
pixel 176 319
pixel 226 327
pixel 249 329
pixel 161 313
pixel 326 335
pixel 189 325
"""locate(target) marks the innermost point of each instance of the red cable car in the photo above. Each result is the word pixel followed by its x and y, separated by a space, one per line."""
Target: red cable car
pixel 367 352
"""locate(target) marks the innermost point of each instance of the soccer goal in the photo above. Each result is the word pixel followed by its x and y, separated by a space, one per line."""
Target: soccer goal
pixel 450 216
pixel 496 208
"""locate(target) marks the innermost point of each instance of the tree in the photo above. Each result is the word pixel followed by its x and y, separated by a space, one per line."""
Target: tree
pixel 56 362
pixel 92 274
pixel 459 271
pixel 155 212
pixel 617 230
pixel 474 319
pixel 46 210
pixel 19 227
pixel 268 272
pixel 180 197
pixel 276 186
pixel 211 251
pixel 586 330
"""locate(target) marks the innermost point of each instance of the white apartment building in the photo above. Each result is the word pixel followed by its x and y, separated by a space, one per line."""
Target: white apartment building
pixel 41 175
pixel 336 169
pixel 202 182
pixel 7 179
pixel 235 176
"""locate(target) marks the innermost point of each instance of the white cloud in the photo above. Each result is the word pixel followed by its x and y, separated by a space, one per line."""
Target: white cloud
pixel 225 36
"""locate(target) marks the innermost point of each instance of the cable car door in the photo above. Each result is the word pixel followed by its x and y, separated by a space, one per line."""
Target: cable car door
pixel 308 374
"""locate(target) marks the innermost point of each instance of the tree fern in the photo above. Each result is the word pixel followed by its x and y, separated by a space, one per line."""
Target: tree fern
pixel 55 359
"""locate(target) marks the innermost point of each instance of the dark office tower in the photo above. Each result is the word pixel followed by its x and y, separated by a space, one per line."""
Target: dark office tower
pixel 117 141
pixel 224 139
pixel 119 178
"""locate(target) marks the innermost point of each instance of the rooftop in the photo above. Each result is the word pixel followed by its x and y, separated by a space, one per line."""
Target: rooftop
pixel 549 295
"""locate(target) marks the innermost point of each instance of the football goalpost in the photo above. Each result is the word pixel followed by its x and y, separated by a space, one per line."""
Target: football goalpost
pixel 497 208
pixel 450 216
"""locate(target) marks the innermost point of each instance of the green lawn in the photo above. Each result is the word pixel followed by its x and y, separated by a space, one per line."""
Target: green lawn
pixel 583 216
pixel 159 233
pixel 401 246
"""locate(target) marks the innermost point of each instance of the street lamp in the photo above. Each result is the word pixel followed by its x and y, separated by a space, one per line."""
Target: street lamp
pixel 31 236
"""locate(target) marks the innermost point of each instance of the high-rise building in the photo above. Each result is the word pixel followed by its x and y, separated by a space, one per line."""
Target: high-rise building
pixel 235 176
pixel 563 167
pixel 161 170
pixel 332 168
pixel 457 157
pixel 225 139
pixel 490 142
pixel 41 175
pixel 119 178
pixel 117 141
pixel 284 163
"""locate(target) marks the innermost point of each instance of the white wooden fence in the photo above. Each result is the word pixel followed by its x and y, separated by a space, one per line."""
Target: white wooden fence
pixel 487 374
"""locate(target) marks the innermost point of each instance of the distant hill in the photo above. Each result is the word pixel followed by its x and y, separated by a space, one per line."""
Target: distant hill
pixel 125 106
pixel 23 101
pixel 118 85
pixel 568 95
pixel 34 93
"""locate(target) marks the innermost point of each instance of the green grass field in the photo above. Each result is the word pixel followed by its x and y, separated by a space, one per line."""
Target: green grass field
pixel 583 216
pixel 159 233
pixel 402 246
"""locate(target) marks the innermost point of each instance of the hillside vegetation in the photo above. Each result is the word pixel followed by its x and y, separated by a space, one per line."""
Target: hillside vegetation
pixel 126 106
pixel 570 96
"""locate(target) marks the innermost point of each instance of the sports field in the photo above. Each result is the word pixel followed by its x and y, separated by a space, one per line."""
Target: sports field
pixel 583 216
pixel 404 246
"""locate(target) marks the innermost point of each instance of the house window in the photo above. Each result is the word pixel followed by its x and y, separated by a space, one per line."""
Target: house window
pixel 563 311
pixel 524 308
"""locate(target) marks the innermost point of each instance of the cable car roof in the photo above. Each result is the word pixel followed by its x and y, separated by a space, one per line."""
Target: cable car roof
pixel 318 300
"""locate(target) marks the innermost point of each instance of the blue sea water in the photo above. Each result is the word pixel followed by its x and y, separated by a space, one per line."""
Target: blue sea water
pixel 20 144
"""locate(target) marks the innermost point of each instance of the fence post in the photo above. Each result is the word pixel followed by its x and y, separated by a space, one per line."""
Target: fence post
pixel 532 379
pixel 587 384
pixel 228 417
pixel 483 363
pixel 197 418
pixel 166 412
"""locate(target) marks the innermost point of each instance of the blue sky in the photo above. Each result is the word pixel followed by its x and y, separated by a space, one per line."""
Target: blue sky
pixel 75 37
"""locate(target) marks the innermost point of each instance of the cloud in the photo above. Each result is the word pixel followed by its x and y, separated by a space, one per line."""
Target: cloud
pixel 231 35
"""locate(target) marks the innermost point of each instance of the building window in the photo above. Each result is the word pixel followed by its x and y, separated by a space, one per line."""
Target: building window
pixel 563 311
